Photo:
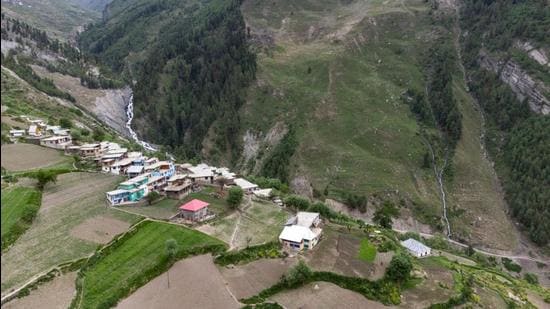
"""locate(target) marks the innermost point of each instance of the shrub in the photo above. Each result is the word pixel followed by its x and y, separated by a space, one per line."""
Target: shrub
pixel 235 197
pixel 297 202
pixel 531 278
pixel 400 268
pixel 510 265
pixel 387 246
pixel 269 250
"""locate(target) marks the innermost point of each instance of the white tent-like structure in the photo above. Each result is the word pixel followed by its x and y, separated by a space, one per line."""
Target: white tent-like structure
pixel 416 248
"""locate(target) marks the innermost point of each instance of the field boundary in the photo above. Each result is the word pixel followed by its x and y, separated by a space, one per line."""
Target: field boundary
pixel 59 269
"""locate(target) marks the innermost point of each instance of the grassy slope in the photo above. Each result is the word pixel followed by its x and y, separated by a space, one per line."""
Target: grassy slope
pixel 19 204
pixel 48 241
pixel 475 187
pixel 144 250
pixel 355 133
pixel 61 18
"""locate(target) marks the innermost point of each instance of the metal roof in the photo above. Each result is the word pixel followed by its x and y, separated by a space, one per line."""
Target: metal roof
pixel 415 246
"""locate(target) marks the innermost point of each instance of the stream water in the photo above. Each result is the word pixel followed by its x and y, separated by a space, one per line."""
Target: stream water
pixel 130 117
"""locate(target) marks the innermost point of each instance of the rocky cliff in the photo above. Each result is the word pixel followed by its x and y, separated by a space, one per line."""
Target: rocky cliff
pixel 523 85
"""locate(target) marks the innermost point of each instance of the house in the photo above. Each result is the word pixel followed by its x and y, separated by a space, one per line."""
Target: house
pixel 201 173
pixel 72 150
pixel 121 167
pixel 162 168
pixel 134 170
pixel 246 185
pixel 223 172
pixel 301 231
pixel 90 151
pixel 195 210
pixel 57 142
pixel 130 191
pixel 17 133
pixel 178 187
pixel 416 248
pixel 34 130
pixel 156 183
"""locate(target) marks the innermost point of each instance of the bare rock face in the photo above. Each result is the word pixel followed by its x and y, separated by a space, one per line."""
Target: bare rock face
pixel 523 85
pixel 111 109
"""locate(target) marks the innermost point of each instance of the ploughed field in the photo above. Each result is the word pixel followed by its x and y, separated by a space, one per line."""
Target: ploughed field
pixel 62 230
pixel 134 260
pixel 20 157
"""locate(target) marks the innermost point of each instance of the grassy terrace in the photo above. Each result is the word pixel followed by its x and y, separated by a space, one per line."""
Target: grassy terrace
pixel 19 206
pixel 367 251
pixel 72 222
pixel 137 259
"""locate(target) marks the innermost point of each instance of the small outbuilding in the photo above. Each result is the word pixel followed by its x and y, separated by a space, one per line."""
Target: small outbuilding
pixel 246 185
pixel 195 210
pixel 416 248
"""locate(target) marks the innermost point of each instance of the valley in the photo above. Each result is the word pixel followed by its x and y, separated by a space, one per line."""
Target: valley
pixel 388 120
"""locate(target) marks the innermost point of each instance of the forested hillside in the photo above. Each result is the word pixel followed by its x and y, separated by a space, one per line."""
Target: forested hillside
pixel 518 139
pixel 191 65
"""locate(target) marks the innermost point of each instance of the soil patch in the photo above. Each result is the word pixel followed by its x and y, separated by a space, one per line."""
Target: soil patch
pixel 57 293
pixel 99 229
pixel 339 253
pixel 250 279
pixel 71 187
pixel 194 283
pixel 20 157
pixel 437 287
pixel 324 295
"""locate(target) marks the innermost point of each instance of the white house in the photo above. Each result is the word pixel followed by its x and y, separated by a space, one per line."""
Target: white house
pixel 302 231
pixel 17 133
pixel 57 142
pixel 34 130
pixel 416 248
pixel 246 185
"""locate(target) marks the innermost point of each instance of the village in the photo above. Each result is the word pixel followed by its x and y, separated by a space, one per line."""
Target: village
pixel 126 196
pixel 149 176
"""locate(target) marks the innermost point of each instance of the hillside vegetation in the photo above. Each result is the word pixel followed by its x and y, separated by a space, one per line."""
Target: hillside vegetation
pixel 517 139
pixel 191 64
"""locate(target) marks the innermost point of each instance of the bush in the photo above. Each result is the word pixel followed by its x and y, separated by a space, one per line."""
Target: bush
pixel 387 246
pixel 269 250
pixel 400 268
pixel 531 278
pixel 65 123
pixel 235 197
pixel 297 202
pixel 383 216
pixel 510 265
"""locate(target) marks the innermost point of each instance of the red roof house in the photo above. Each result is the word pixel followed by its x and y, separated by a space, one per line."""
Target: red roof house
pixel 194 210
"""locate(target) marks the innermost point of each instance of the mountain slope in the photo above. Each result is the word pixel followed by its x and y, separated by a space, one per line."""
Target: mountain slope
pixel 190 62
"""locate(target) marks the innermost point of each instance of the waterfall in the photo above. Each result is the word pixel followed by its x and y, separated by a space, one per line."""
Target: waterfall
pixel 130 117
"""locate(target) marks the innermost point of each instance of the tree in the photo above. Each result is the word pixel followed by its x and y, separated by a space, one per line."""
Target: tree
pixel 171 249
pixel 98 134
pixel 45 177
pixel 298 275
pixel 235 197
pixel 151 197
pixel 297 202
pixel 470 250
pixel 531 278
pixel 383 216
pixel 65 123
pixel 400 268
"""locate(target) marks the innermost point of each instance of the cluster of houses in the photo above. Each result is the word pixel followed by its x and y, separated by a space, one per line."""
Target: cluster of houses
pixel 172 180
pixel 39 132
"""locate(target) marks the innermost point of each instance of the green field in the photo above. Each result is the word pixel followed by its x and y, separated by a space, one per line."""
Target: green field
pixel 19 207
pixel 367 251
pixel 259 223
pixel 53 238
pixel 141 254
pixel 336 73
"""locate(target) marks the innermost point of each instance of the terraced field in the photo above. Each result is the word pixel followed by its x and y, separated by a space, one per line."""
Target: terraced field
pixel 50 240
